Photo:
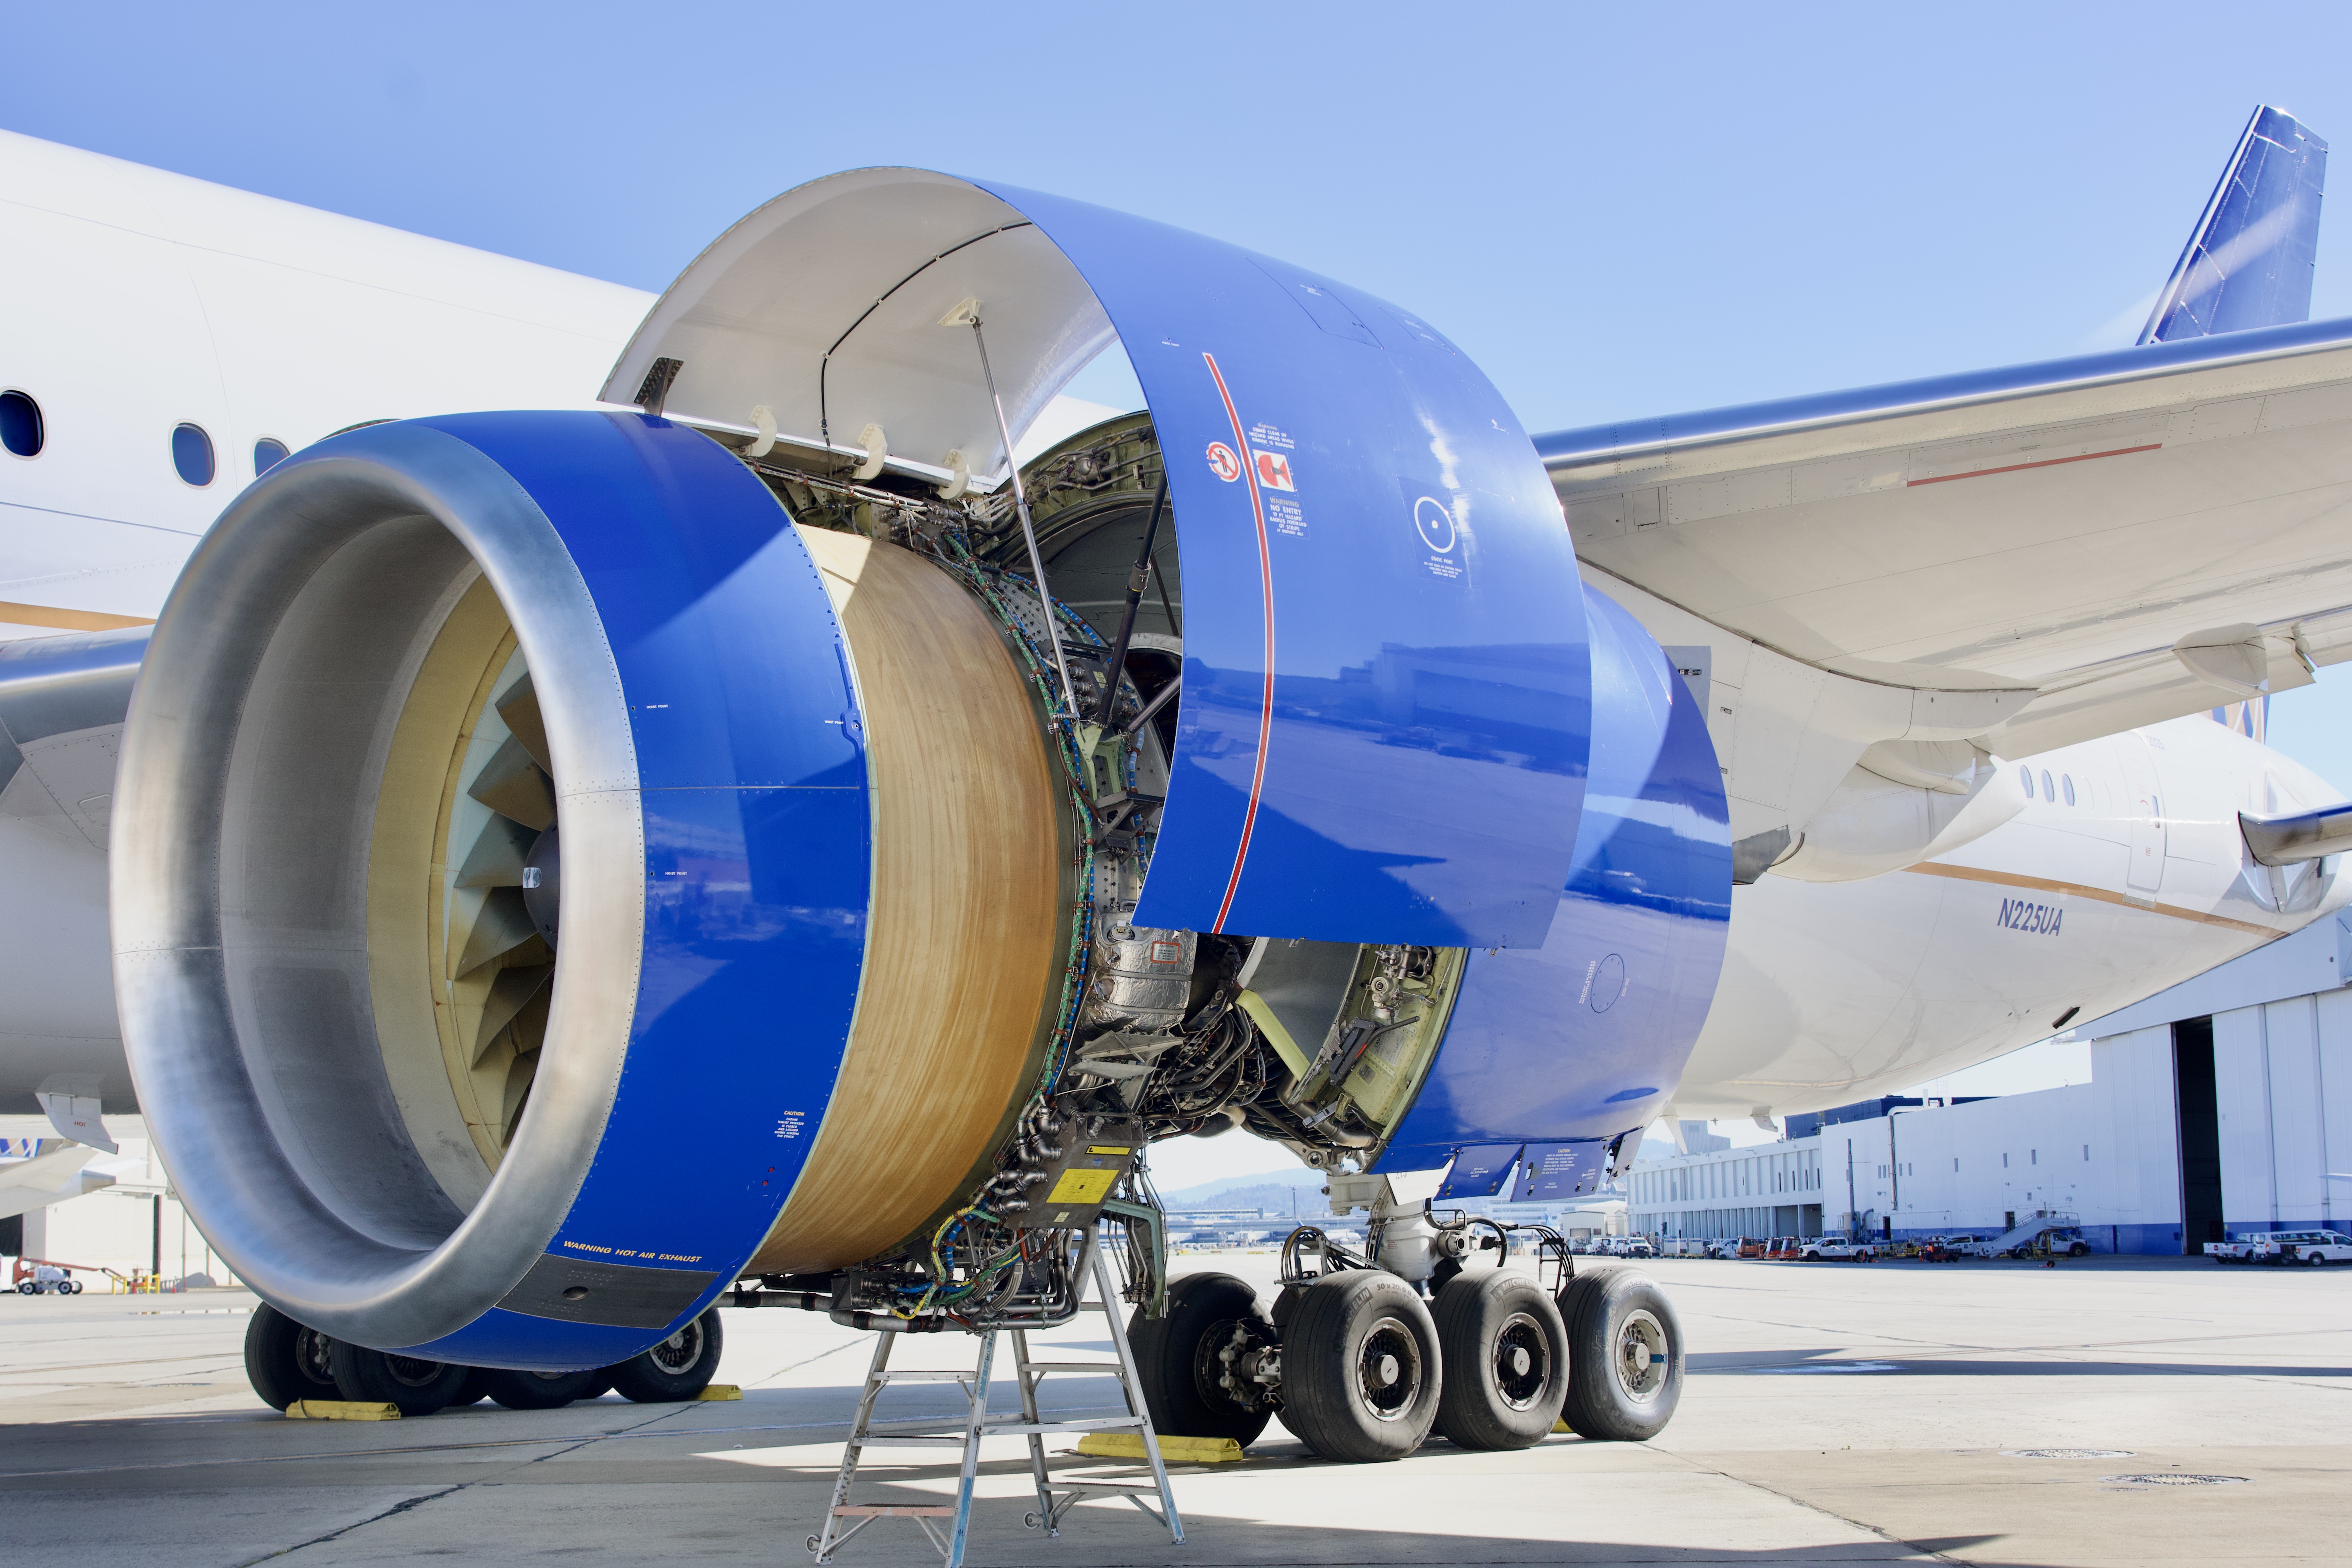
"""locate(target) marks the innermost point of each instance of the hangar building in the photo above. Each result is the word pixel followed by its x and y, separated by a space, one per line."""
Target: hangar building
pixel 2219 1107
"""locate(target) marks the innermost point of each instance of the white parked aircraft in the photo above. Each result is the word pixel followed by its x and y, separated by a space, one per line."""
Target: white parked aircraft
pixel 1874 655
pixel 188 336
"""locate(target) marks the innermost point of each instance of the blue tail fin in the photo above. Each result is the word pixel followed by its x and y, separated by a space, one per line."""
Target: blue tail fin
pixel 2250 259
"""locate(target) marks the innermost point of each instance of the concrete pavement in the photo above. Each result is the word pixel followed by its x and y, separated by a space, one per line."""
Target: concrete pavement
pixel 1833 1413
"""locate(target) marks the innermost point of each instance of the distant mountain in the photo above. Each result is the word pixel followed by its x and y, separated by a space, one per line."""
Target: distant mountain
pixel 1273 1200
pixel 1271 1191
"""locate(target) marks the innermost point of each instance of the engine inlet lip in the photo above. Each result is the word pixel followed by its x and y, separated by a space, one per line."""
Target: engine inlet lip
pixel 294 1223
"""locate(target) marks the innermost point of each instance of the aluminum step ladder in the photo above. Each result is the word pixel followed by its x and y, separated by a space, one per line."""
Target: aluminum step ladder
pixel 950 1527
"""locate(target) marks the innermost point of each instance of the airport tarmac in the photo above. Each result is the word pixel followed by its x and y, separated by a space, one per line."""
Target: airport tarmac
pixel 1834 1414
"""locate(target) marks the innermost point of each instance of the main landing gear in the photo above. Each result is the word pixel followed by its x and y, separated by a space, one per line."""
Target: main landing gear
pixel 286 1361
pixel 1361 1363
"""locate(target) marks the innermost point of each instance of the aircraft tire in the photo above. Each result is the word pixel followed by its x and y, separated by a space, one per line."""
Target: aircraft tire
pixel 1361 1374
pixel 1285 1304
pixel 416 1386
pixel 1505 1350
pixel 537 1390
pixel 677 1368
pixel 1176 1356
pixel 473 1391
pixel 1626 1357
pixel 284 1361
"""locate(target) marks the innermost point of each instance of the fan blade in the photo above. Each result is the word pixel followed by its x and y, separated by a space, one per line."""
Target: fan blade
pixel 520 709
pixel 511 992
pixel 513 786
pixel 496 858
pixel 500 925
pixel 519 1074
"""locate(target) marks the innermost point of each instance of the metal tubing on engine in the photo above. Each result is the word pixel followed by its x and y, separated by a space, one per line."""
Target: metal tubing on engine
pixel 1136 579
pixel 1028 533
pixel 2295 838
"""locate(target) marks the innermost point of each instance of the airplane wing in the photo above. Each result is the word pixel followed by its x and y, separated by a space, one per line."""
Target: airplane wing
pixel 2135 535
pixel 2016 559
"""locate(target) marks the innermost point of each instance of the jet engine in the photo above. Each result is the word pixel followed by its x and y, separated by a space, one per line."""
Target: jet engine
pixel 564 864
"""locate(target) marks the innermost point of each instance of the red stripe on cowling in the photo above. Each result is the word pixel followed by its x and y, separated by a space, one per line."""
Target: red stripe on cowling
pixel 1266 583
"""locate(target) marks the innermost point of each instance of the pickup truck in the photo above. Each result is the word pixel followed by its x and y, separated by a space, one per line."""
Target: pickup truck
pixel 2313 1247
pixel 2238 1250
pixel 1830 1250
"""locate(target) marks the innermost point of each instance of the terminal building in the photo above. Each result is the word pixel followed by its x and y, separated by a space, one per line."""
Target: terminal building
pixel 2221 1107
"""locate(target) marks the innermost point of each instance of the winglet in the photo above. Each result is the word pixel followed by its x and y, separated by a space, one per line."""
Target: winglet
pixel 2249 260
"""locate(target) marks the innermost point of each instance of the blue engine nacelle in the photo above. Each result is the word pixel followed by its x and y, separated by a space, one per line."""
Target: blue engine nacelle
pixel 566 862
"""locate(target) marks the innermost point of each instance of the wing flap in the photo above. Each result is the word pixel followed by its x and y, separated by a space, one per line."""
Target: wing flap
pixel 2058 526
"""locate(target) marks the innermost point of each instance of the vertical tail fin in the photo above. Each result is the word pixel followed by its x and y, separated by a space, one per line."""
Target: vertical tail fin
pixel 2250 259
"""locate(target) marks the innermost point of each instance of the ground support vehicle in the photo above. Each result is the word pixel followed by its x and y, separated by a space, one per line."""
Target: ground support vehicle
pixel 39 1277
pixel 2312 1249
pixel 2067 1242
pixel 2026 1237
pixel 2237 1249
pixel 1837 1249
pixel 1363 1356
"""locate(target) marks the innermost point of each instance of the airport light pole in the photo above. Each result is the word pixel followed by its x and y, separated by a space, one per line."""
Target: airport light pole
pixel 1850 1218
pixel 1894 1169
pixel 1893 1161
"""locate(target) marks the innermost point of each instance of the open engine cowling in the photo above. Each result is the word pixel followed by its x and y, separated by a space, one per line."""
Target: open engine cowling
pixel 565 862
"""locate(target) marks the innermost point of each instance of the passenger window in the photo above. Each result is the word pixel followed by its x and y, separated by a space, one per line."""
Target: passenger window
pixel 20 424
pixel 2066 782
pixel 267 453
pixel 2025 777
pixel 192 455
pixel 2049 791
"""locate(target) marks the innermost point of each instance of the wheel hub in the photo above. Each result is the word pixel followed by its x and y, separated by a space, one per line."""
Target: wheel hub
pixel 1642 1357
pixel 1522 1362
pixel 1387 1371
pixel 680 1351
pixel 311 1350
pixel 1237 1366
pixel 411 1372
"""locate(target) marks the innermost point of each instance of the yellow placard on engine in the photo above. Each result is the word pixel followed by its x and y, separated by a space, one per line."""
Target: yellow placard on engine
pixel 1082 1186
pixel 1075 1179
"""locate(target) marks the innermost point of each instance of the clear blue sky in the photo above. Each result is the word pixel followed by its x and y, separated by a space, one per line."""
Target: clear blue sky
pixel 1616 210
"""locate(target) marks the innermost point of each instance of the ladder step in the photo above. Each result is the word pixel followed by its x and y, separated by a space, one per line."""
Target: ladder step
pixel 1106 1424
pixel 889 1510
pixel 920 1377
pixel 1107 1368
pixel 891 1439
